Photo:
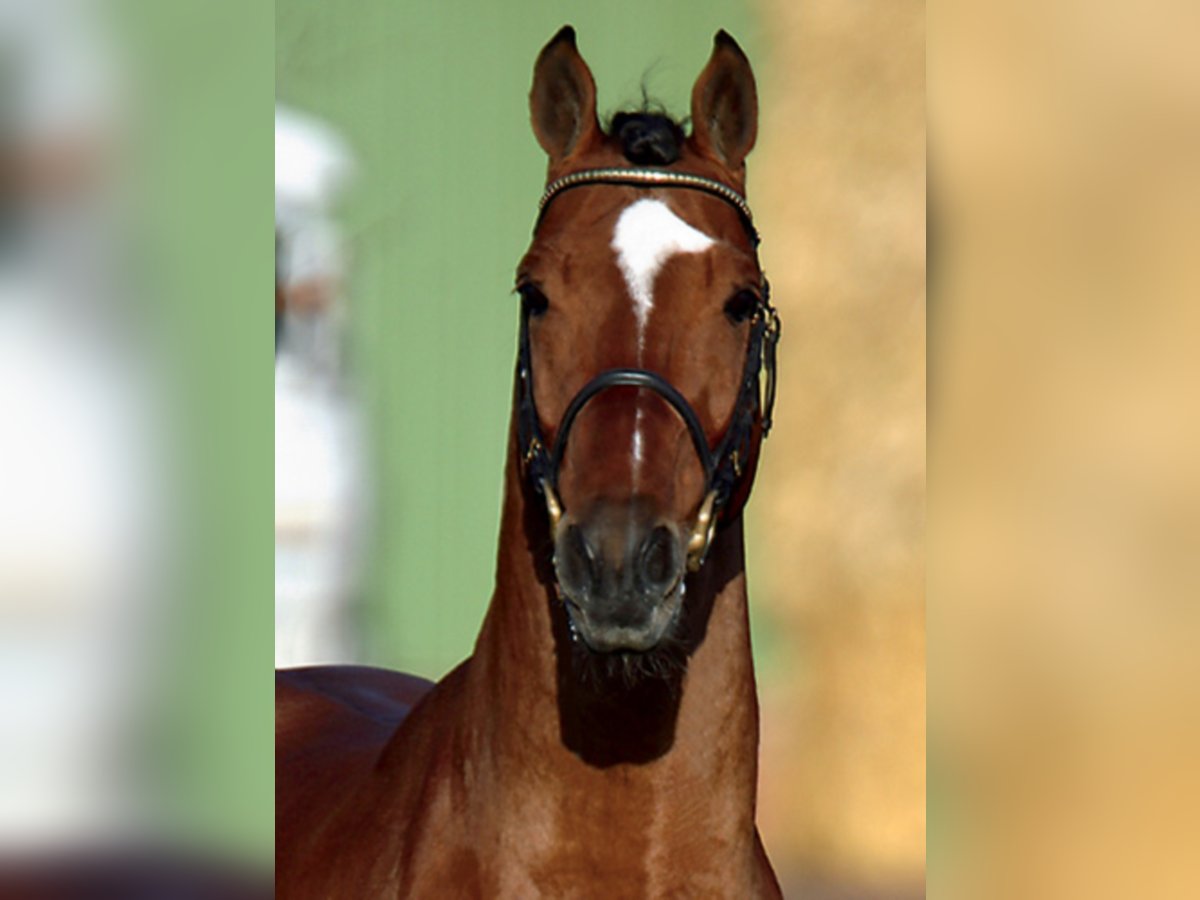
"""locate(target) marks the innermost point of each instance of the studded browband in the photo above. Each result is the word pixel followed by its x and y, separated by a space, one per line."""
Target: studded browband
pixel 650 178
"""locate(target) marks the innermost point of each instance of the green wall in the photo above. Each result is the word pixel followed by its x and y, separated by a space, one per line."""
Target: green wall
pixel 432 97
pixel 199 246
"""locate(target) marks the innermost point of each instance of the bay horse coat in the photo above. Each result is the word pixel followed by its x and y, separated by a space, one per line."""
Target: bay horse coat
pixel 601 740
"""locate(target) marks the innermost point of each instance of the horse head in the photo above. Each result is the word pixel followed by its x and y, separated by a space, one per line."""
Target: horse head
pixel 645 328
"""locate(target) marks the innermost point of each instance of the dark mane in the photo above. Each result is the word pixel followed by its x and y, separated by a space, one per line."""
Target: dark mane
pixel 648 137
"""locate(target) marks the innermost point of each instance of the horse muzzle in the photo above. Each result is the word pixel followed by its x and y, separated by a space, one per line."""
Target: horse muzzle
pixel 621 573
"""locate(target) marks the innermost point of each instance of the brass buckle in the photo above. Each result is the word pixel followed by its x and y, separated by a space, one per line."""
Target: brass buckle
pixel 702 532
pixel 532 450
pixel 553 506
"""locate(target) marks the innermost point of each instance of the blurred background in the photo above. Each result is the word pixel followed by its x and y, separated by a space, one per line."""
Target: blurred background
pixel 134 261
pixel 1065 492
pixel 406 185
pixel 134 725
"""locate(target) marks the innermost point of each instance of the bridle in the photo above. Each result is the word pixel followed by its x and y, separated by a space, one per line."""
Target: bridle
pixel 724 465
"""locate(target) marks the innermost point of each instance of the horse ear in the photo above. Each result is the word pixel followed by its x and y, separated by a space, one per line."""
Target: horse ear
pixel 725 104
pixel 562 101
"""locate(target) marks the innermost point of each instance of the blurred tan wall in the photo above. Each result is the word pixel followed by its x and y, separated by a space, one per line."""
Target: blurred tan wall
pixel 1065 539
pixel 838 186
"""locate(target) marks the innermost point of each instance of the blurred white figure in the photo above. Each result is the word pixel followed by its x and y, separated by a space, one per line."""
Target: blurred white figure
pixel 82 515
pixel 78 548
pixel 319 450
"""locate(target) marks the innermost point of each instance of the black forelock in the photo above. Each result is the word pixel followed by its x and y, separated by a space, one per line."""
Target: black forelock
pixel 648 138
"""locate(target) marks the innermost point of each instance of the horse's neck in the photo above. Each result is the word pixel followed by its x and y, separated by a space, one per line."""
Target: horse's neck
pixel 674 758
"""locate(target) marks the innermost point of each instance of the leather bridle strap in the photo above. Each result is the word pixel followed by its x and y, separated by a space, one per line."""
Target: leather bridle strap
pixel 650 178
pixel 635 378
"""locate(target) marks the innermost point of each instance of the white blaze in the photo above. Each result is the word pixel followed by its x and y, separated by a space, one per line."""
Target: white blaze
pixel 646 236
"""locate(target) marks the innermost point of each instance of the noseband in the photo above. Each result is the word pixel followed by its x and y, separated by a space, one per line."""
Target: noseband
pixel 725 464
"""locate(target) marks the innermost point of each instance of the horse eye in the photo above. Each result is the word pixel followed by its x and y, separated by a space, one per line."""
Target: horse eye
pixel 533 301
pixel 741 306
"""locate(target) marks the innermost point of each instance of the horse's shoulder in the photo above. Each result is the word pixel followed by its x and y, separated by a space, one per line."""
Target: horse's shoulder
pixel 325 695
pixel 331 724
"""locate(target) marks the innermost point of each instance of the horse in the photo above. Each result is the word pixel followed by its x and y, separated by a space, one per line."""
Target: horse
pixel 601 740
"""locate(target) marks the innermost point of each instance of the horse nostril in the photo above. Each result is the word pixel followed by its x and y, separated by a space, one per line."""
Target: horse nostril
pixel 659 559
pixel 576 561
